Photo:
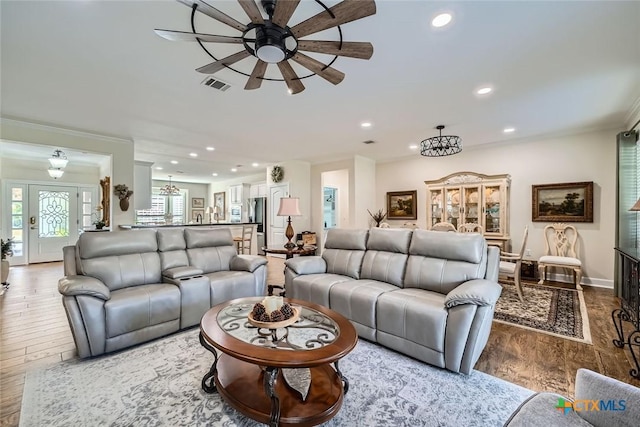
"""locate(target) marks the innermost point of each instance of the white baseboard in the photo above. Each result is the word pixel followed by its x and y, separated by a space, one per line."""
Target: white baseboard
pixel 586 281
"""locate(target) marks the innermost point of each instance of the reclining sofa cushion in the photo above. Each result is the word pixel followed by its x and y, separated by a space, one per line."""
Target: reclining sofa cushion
pixel 210 250
pixel 356 299
pixel 386 255
pixel 172 248
pixel 344 251
pixel 315 287
pixel 449 258
pixel 141 306
pixel 118 262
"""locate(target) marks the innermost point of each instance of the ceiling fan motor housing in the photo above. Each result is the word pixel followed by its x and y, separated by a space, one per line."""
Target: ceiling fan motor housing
pixel 270 43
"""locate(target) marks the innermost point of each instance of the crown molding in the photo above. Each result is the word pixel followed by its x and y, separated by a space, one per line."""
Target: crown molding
pixel 63 131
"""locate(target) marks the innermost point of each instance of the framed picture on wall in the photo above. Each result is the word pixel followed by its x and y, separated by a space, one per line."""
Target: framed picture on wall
pixel 568 202
pixel 197 202
pixel 195 213
pixel 219 203
pixel 402 205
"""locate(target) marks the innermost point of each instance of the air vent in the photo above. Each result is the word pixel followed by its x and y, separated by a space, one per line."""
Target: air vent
pixel 216 84
pixel 368 142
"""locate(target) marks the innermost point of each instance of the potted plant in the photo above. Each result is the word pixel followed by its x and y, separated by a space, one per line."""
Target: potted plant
pixel 378 217
pixel 99 221
pixel 123 193
pixel 6 250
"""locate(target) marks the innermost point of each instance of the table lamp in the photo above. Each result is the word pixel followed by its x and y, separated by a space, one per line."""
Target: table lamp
pixel 289 207
pixel 216 213
pixel 209 212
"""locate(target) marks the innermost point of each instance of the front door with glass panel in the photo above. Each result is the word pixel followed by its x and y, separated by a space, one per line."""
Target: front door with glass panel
pixel 53 221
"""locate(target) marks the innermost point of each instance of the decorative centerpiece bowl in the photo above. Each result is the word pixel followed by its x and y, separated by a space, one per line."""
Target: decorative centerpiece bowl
pixel 273 313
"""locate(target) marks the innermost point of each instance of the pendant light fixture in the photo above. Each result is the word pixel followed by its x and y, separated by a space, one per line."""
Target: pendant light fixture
pixel 169 189
pixel 58 161
pixel 440 146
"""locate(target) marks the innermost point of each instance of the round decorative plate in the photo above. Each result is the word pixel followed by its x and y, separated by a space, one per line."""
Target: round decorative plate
pixel 275 325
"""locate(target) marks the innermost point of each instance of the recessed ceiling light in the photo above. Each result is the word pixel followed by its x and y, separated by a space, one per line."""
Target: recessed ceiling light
pixel 484 90
pixel 210 148
pixel 159 168
pixel 366 125
pixel 509 130
pixel 413 147
pixel 193 154
pixel 255 165
pixel 234 170
pixel 174 162
pixel 441 20
pixel 214 174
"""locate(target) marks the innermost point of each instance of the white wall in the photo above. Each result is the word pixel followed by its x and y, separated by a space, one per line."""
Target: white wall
pixel 575 158
pixel 26 170
pixel 120 151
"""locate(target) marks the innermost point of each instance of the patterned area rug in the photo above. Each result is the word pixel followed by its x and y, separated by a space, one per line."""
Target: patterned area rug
pixel 554 311
pixel 158 384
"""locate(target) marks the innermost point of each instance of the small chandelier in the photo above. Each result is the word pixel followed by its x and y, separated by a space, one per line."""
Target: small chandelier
pixel 169 189
pixel 440 146
pixel 58 161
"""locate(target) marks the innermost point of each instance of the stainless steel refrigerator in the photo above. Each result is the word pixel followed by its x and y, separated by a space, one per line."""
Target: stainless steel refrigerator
pixel 258 215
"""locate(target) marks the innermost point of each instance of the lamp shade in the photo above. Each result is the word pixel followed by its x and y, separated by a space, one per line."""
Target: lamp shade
pixel 210 210
pixel 58 160
pixel 636 207
pixel 289 206
pixel 55 173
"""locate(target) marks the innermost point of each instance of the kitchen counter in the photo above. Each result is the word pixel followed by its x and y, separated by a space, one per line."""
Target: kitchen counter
pixel 213 224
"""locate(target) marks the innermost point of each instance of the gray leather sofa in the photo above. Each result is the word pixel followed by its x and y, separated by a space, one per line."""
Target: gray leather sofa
pixel 600 401
pixel 128 287
pixel 428 294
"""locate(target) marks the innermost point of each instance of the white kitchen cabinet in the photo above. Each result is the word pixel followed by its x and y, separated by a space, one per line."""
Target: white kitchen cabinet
pixel 239 193
pixel 258 190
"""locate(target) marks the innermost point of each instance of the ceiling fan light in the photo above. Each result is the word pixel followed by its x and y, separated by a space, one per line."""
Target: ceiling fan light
pixel 55 173
pixel 270 54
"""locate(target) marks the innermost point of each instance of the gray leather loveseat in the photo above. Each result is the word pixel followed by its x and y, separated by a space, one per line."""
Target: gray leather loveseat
pixel 428 294
pixel 128 287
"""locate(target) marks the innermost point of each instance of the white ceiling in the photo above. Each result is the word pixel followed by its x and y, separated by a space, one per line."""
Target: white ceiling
pixel 97 66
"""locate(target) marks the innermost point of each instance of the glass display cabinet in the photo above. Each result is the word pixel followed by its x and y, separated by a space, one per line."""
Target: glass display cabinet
pixel 469 197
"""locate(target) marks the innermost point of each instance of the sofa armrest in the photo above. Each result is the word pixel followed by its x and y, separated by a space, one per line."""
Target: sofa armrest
pixel 247 262
pixel 477 291
pixel 307 265
pixel 622 399
pixel 83 285
pixel 181 272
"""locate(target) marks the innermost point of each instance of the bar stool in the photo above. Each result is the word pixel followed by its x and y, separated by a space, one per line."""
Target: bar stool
pixel 243 242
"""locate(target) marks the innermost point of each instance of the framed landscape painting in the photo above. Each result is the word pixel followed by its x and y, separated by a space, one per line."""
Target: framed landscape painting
pixel 197 202
pixel 569 202
pixel 402 205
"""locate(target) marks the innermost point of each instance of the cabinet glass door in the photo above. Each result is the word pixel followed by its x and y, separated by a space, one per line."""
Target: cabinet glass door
pixel 471 197
pixel 493 209
pixel 435 206
pixel 453 206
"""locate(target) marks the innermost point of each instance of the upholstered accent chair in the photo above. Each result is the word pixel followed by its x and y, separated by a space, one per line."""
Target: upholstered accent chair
pixel 561 241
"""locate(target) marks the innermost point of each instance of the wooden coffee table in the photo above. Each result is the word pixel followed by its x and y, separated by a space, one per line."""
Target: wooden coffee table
pixel 249 371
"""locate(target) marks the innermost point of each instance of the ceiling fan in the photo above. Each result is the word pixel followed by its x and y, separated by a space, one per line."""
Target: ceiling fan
pixel 272 41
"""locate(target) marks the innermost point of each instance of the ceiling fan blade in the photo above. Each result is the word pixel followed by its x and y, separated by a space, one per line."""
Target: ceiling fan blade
pixel 184 36
pixel 361 50
pixel 214 13
pixel 291 78
pixel 219 65
pixel 255 80
pixel 346 11
pixel 252 10
pixel 329 74
pixel 283 12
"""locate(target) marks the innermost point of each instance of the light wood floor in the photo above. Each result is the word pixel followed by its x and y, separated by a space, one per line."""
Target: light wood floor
pixel 34 332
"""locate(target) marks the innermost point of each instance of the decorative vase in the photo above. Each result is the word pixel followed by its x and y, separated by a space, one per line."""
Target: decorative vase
pixel 4 271
pixel 124 204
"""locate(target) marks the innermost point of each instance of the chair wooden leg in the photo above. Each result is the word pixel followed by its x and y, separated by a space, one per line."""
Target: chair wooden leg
pixel 516 279
pixel 542 272
pixel 578 274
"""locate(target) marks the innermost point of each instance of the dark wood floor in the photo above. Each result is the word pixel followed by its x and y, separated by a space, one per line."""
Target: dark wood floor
pixel 34 332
